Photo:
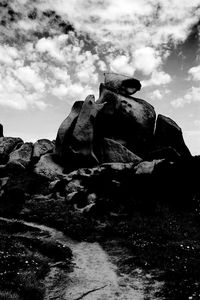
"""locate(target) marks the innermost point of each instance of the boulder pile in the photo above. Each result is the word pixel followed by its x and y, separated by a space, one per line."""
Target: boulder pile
pixel 117 128
pixel 110 153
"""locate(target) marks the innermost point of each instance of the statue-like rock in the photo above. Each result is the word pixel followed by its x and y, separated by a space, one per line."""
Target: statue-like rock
pixel 40 148
pixel 1 130
pixel 7 145
pixel 83 134
pixel 112 151
pixel 21 157
pixel 169 134
pixel 65 131
pixel 128 120
pixel 121 84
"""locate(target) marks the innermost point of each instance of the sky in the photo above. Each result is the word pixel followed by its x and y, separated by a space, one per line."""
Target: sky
pixel 54 52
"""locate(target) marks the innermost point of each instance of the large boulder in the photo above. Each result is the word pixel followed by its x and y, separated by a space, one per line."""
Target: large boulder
pixel 83 138
pixel 1 130
pixel 169 134
pixel 121 84
pixel 21 157
pixel 48 167
pixel 128 120
pixel 112 151
pixel 65 131
pixel 40 148
pixel 7 145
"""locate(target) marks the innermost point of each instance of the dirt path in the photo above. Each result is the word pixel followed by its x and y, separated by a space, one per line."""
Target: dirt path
pixel 94 276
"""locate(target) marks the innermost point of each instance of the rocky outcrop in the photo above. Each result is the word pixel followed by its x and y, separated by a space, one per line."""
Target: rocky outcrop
pixel 40 148
pixel 117 128
pixel 7 145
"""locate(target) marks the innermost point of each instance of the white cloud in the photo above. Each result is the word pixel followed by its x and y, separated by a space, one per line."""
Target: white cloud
pixel 7 54
pixel 147 60
pixel 121 64
pixel 193 95
pixel 29 78
pixel 195 73
pixel 156 95
pixel 129 36
pixel 50 46
pixel 157 78
pixel 197 123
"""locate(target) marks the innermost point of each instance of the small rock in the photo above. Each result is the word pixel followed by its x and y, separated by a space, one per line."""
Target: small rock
pixel 40 148
pixel 21 157
pixel 47 167
pixel 1 130
pixel 112 151
pixel 7 145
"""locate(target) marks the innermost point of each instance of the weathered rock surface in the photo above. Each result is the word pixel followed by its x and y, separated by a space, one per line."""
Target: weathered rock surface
pixel 146 167
pixel 169 134
pixel 47 167
pixel 65 131
pixel 41 147
pixel 1 130
pixel 7 145
pixel 128 120
pixel 83 134
pixel 121 84
pixel 112 151
pixel 21 158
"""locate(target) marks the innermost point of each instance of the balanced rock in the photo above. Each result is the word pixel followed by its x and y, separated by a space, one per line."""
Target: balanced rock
pixel 7 145
pixel 65 131
pixel 21 157
pixel 128 120
pixel 169 134
pixel 112 151
pixel 48 167
pixel 1 130
pixel 41 147
pixel 121 84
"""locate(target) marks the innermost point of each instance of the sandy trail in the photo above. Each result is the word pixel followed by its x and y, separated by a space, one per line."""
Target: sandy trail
pixel 94 276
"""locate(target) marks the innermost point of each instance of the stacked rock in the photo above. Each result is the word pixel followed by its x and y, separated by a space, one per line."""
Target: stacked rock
pixel 117 128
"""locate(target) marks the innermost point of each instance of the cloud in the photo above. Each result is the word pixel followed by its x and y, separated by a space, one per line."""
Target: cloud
pixel 157 78
pixel 197 123
pixel 58 48
pixel 52 46
pixel 121 64
pixel 195 73
pixel 147 60
pixel 193 95
pixel 156 95
pixel 29 78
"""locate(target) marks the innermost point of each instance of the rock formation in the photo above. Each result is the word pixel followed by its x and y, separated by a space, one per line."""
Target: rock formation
pixel 109 151
pixel 117 128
